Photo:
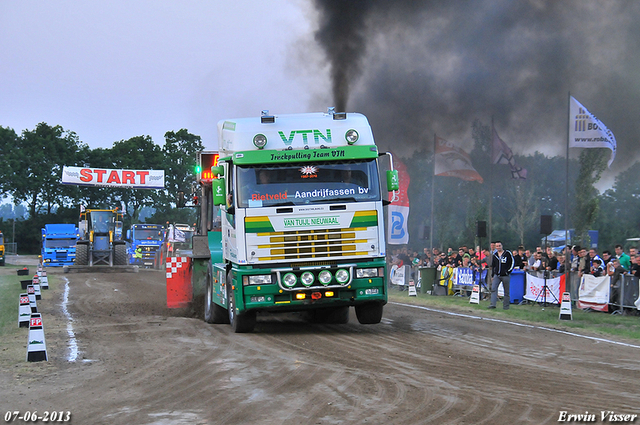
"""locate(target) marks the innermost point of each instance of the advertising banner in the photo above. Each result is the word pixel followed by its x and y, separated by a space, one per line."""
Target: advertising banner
pixel 106 177
pixel 535 286
pixel 398 226
pixel 587 131
pixel 594 292
pixel 464 276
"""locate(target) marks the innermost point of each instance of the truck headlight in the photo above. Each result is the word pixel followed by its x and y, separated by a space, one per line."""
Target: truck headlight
pixel 289 280
pixel 352 136
pixel 363 273
pixel 307 278
pixel 259 141
pixel 325 277
pixel 260 279
pixel 342 276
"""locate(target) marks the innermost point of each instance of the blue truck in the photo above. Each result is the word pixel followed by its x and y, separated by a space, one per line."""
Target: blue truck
pixel 144 243
pixel 59 244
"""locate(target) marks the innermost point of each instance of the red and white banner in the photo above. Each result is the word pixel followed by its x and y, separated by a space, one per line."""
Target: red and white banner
pixel 594 292
pixel 179 288
pixel 452 161
pixel 535 286
pixel 89 176
pixel 398 229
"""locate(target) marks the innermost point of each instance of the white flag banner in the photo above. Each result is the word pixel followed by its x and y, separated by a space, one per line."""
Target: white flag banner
pixel 594 289
pixel 177 236
pixel 396 275
pixel 397 230
pixel 587 131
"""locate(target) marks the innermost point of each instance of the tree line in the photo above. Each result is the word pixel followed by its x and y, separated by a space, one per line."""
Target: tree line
pixel 517 204
pixel 33 161
pixel 32 171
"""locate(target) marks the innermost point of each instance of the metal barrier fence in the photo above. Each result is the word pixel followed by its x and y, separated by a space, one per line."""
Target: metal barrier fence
pixel 627 292
pixel 11 248
pixel 624 292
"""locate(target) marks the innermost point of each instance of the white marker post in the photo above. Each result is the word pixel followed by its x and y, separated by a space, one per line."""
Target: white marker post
pixel 36 346
pixel 565 307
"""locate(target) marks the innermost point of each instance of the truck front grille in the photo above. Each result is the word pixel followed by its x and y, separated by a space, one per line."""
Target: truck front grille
pixel 312 244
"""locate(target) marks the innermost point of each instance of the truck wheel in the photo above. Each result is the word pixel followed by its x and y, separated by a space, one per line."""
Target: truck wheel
pixel 240 323
pixel 120 255
pixel 82 255
pixel 369 314
pixel 213 313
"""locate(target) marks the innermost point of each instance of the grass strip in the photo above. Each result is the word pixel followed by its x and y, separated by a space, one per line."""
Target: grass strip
pixel 596 323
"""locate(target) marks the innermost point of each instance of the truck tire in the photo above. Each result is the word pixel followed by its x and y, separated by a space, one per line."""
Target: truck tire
pixel 119 255
pixel 213 313
pixel 370 313
pixel 240 323
pixel 82 254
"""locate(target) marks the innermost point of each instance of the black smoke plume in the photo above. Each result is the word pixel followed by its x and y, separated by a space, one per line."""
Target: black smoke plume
pixel 416 68
pixel 342 35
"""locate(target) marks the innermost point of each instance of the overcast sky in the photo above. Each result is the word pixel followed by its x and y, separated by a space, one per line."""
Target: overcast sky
pixel 113 70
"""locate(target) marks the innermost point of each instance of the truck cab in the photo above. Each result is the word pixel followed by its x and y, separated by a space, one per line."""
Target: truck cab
pixel 144 244
pixel 59 244
pixel 301 220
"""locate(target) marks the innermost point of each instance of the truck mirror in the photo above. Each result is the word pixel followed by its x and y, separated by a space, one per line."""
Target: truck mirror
pixel 219 195
pixel 217 170
pixel 393 183
pixel 129 234
pixel 180 203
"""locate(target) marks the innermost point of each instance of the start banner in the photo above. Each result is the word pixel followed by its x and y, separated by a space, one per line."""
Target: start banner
pixel 139 179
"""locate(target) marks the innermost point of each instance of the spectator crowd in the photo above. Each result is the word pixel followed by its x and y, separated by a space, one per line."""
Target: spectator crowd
pixel 543 262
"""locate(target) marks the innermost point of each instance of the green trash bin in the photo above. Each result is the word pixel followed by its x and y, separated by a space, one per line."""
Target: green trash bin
pixel 427 277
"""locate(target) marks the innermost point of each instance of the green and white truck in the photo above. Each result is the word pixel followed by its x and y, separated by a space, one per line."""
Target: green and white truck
pixel 292 220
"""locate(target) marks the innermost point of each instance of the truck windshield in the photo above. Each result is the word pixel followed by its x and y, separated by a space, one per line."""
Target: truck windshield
pixel 307 183
pixel 59 243
pixel 102 221
pixel 149 234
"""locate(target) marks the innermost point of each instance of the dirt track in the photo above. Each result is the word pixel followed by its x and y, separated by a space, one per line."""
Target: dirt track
pixel 140 363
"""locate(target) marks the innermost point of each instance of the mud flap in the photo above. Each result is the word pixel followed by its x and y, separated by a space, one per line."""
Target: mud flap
pixel 179 290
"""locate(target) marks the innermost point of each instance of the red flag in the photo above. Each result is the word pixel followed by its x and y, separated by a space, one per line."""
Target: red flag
pixel 451 161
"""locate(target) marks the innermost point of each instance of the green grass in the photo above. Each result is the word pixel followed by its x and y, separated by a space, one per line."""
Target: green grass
pixel 594 323
pixel 12 338
pixel 10 290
